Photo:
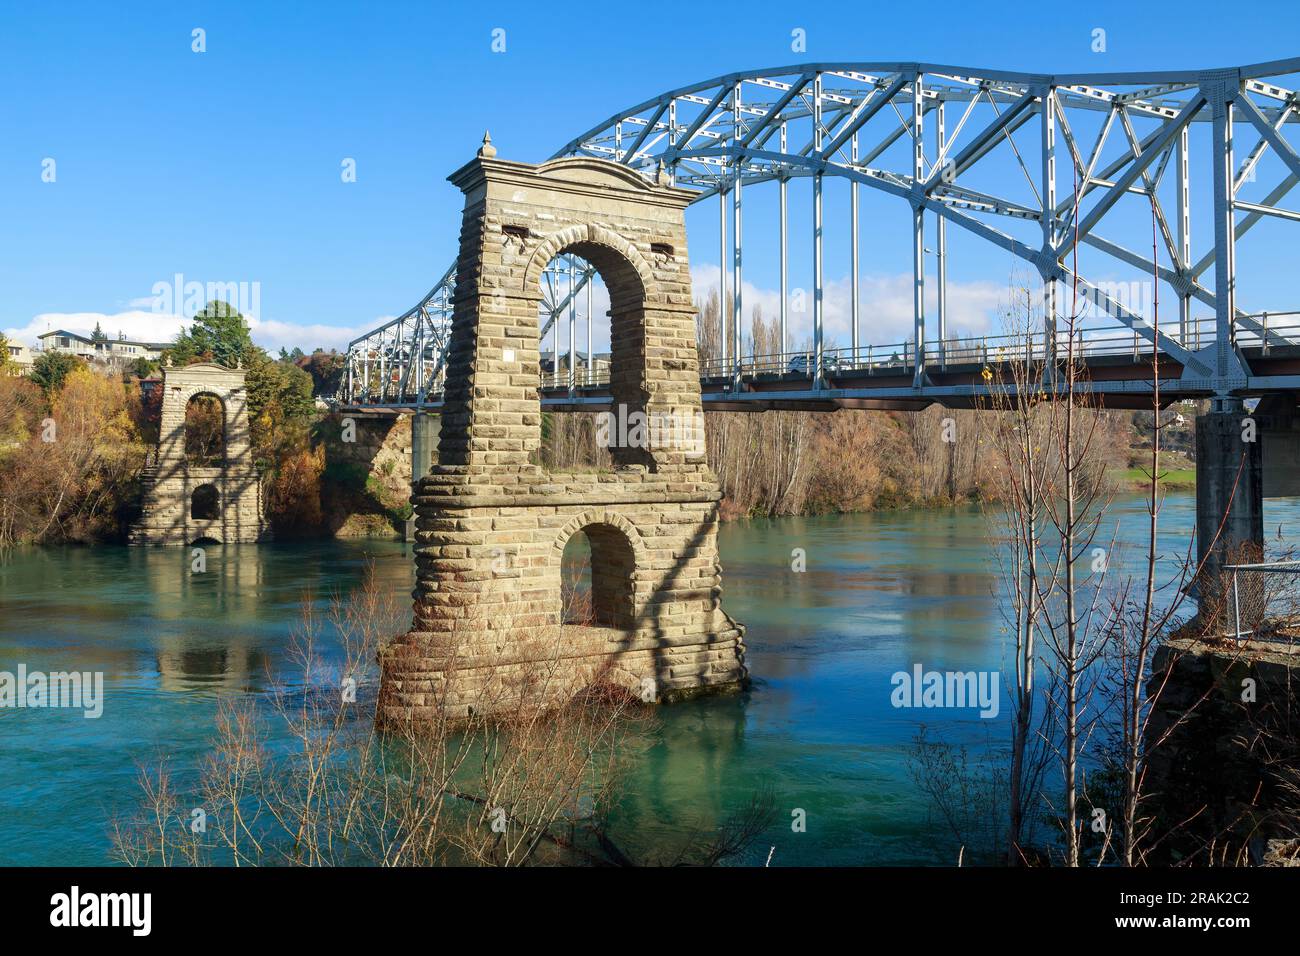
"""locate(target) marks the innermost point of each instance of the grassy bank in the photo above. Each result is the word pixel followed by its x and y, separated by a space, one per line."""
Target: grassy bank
pixel 1177 472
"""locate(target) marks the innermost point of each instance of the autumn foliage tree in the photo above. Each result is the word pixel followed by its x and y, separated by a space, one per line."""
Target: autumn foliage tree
pixel 325 368
pixel 205 431
pixel 293 495
pixel 69 462
pixel 281 411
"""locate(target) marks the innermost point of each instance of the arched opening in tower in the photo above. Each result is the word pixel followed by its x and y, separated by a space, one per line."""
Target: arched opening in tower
pixel 597 578
pixel 591 319
pixel 205 503
pixel 205 431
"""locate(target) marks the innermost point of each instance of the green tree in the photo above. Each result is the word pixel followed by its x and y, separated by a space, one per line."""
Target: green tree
pixel 4 354
pixel 280 406
pixel 51 369
pixel 279 383
pixel 98 335
pixel 140 367
pixel 219 334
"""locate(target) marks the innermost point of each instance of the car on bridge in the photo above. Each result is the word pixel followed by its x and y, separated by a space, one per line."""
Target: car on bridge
pixel 802 364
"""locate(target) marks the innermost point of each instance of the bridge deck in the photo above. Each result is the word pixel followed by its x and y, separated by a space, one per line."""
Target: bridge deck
pixel 1119 381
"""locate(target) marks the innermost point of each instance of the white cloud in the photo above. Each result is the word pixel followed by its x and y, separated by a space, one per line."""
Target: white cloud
pixel 973 308
pixel 885 309
pixel 147 326
pixel 273 335
pixel 136 324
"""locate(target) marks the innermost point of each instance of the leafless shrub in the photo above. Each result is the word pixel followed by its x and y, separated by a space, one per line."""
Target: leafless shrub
pixel 529 776
pixel 967 794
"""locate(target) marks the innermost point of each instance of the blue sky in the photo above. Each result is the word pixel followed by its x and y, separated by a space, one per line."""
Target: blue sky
pixel 225 165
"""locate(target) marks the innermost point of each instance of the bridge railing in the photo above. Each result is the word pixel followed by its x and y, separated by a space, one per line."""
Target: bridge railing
pixel 583 376
pixel 899 357
pixel 384 370
pixel 1264 330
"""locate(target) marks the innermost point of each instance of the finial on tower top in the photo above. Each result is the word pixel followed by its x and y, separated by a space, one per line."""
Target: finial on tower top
pixel 661 174
pixel 487 150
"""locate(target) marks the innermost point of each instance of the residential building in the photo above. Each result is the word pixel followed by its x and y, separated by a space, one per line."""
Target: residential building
pixel 118 351
pixel 599 364
pixel 20 359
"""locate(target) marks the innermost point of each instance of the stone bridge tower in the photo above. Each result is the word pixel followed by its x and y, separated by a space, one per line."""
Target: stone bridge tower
pixel 491 524
pixel 218 498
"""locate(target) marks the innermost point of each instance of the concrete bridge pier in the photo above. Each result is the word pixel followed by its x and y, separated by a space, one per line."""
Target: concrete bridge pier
pixel 425 431
pixel 1229 490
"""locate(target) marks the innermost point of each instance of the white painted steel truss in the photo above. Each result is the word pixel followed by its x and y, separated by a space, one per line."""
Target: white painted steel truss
pixel 1038 165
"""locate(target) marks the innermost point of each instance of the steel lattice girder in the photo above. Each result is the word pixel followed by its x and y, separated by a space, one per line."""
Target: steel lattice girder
pixel 842 119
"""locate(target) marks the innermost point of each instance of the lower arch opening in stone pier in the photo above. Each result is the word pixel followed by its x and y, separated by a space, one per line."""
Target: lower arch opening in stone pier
pixel 205 503
pixel 597 578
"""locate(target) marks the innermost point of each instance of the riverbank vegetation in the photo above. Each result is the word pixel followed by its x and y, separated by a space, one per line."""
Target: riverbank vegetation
pixel 71 453
pixel 537 783
pixel 794 462
pixel 1087 779
pixel 768 463
pixel 75 438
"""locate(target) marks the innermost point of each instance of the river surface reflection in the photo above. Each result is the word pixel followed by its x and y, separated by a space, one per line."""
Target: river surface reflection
pixel 881 593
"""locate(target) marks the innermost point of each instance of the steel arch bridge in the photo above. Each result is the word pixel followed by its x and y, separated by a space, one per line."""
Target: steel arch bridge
pixel 1041 166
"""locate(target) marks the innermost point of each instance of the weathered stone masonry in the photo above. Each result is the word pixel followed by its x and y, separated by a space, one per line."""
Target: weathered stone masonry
pixel 492 525
pixel 171 481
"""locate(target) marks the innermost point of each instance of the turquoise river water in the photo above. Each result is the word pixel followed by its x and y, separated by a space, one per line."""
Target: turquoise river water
pixel 881 593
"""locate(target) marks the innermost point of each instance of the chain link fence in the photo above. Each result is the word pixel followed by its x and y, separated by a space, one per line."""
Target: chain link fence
pixel 1262 601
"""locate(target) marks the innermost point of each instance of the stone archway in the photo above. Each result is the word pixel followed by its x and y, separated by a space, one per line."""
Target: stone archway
pixel 591 238
pixel 617 551
pixel 491 524
pixel 205 503
pixel 631 284
pixel 205 429
pixel 175 480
